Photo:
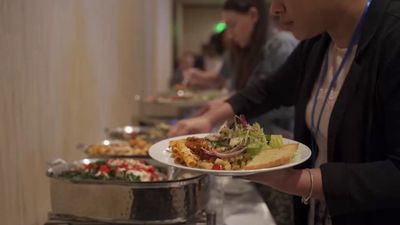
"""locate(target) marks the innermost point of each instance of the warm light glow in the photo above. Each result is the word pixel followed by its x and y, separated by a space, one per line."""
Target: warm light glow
pixel 106 142
pixel 86 161
pixel 180 93
pixel 128 129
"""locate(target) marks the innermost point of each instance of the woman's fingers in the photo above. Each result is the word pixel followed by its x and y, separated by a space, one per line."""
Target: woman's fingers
pixel 190 126
pixel 178 129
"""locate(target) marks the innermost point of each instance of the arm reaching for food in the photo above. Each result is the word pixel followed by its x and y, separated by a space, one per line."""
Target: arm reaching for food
pixel 204 123
pixel 211 105
pixel 202 79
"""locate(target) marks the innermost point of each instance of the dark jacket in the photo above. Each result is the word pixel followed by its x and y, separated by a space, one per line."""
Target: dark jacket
pixel 361 180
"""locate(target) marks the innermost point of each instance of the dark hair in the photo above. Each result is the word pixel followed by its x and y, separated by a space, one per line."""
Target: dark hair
pixel 217 42
pixel 198 60
pixel 246 59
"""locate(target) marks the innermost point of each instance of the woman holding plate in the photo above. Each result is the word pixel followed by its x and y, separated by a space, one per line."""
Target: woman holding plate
pixel 344 82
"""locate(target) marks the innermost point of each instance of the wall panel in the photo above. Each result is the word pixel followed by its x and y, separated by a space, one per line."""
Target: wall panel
pixel 68 69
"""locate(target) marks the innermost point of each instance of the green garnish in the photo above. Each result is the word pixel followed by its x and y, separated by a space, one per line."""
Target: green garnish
pixel 252 136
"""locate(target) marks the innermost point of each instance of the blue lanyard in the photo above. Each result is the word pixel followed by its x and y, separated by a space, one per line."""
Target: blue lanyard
pixel 349 50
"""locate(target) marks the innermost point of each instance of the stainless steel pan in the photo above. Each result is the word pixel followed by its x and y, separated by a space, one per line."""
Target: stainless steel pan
pixel 177 199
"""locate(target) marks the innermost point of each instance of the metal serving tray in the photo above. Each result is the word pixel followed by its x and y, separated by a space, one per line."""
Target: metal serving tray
pixel 182 196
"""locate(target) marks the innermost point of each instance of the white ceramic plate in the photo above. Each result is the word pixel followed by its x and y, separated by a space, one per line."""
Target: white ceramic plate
pixel 160 151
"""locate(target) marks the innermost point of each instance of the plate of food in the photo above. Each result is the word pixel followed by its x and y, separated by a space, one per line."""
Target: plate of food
pixel 241 149
pixel 150 133
pixel 135 147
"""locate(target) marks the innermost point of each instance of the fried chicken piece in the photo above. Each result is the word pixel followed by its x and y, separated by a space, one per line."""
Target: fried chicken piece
pixel 196 145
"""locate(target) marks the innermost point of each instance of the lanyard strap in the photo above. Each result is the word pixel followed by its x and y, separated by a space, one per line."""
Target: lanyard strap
pixel 346 57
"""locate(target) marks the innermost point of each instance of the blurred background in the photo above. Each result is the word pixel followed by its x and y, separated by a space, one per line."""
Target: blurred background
pixel 70 68
pixel 194 21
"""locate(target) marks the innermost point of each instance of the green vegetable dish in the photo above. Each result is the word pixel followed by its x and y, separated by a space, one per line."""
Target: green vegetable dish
pixel 129 170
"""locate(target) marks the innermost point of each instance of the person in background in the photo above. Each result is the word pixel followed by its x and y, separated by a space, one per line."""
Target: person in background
pixel 215 51
pixel 214 54
pixel 255 44
pixel 257 50
pixel 344 80
pixel 187 61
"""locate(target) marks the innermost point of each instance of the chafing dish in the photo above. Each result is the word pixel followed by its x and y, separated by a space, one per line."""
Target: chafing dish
pixel 182 196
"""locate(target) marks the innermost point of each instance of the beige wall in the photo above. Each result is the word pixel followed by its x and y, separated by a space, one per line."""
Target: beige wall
pixel 68 69
pixel 197 25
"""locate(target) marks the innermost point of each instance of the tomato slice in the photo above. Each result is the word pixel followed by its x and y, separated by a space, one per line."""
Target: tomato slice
pixel 104 169
pixel 218 167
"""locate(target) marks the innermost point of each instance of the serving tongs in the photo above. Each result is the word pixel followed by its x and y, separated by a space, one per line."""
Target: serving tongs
pixel 57 166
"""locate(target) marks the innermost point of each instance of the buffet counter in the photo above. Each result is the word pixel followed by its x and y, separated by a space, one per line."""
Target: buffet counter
pixel 246 208
pixel 243 205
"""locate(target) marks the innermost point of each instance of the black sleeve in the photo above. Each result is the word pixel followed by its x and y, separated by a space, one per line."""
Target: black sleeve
pixel 269 92
pixel 373 186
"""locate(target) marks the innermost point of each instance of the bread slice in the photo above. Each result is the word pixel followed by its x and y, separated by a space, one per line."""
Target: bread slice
pixel 272 157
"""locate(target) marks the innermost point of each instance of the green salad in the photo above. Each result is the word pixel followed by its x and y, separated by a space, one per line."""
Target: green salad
pixel 242 136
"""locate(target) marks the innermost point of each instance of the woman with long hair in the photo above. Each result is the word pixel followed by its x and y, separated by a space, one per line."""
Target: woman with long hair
pixel 256 47
pixel 344 81
pixel 257 50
